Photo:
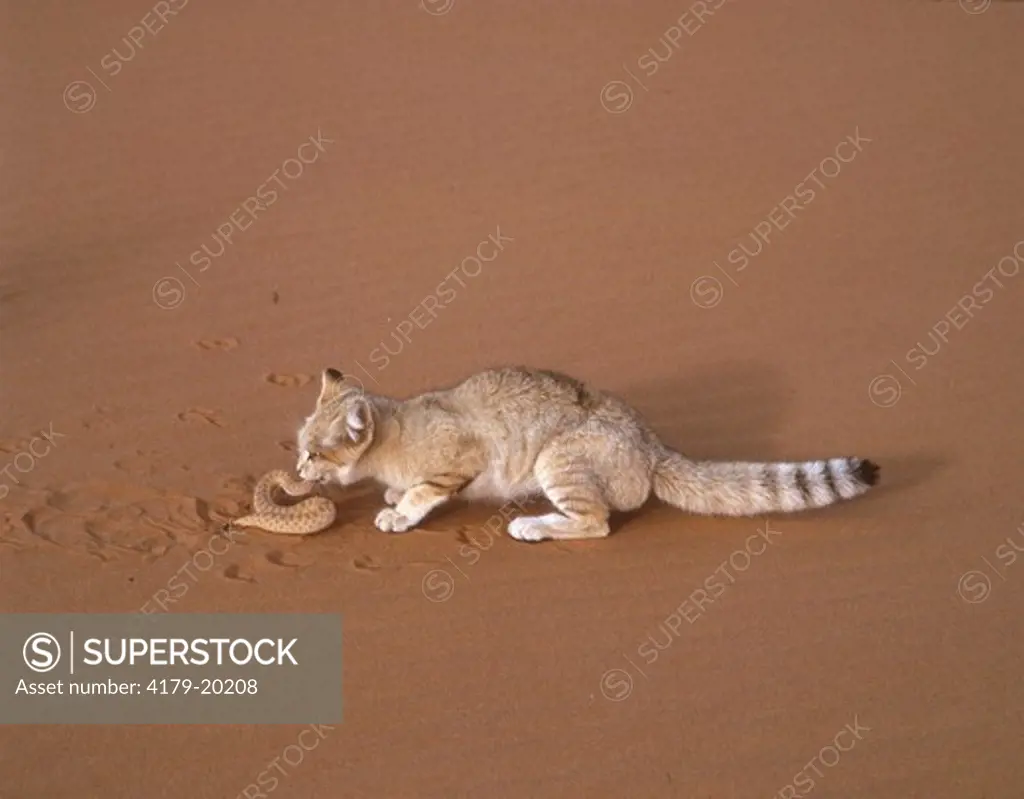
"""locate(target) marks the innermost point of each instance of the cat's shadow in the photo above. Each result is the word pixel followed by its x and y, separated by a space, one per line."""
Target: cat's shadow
pixel 730 411
pixel 737 412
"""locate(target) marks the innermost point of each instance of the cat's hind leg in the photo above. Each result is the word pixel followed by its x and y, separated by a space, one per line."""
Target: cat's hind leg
pixel 576 494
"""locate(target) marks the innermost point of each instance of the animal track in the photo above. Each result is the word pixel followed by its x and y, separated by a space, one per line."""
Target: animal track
pixel 234 572
pixel 279 558
pixel 129 521
pixel 201 415
pixel 7 295
pixel 225 344
pixel 107 520
pixel 288 381
pixel 366 563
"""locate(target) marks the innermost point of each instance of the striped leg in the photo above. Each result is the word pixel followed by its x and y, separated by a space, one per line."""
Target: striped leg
pixel 583 510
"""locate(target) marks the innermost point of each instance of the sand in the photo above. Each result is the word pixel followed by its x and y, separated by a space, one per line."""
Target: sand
pixel 871 649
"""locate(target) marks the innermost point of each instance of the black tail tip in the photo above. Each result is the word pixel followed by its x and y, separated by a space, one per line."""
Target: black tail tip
pixel 867 472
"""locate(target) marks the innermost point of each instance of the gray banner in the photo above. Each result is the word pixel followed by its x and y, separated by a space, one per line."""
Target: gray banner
pixel 185 668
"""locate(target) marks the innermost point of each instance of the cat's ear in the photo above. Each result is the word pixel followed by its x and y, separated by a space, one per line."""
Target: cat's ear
pixel 330 385
pixel 358 421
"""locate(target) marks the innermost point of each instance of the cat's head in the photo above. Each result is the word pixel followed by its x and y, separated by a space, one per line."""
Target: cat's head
pixel 337 433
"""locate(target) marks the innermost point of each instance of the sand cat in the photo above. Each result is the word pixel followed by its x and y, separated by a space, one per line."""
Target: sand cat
pixel 514 432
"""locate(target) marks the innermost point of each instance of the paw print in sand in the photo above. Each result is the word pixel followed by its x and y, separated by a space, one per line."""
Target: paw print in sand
pixel 288 381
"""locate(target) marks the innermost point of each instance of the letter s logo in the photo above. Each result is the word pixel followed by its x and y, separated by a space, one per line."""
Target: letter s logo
pixel 41 652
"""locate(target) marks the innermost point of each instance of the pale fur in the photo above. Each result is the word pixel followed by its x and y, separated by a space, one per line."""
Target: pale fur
pixel 515 432
pixel 303 518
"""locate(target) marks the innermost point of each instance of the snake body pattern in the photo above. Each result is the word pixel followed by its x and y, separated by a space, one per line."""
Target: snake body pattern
pixel 303 518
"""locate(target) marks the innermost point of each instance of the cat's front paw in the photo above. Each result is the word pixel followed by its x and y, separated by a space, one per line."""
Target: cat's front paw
pixel 392 496
pixel 391 521
pixel 528 528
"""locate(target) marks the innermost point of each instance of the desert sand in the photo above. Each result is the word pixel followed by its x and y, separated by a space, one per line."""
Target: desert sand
pixel 782 230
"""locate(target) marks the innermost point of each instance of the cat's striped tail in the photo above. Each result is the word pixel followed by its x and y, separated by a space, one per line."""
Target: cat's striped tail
pixel 752 489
